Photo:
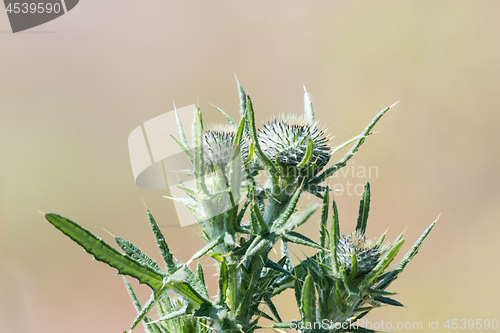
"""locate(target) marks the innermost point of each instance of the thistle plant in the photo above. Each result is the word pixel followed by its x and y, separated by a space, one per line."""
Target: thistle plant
pixel 242 220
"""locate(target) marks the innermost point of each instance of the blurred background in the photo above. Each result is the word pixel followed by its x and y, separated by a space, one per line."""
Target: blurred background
pixel 73 89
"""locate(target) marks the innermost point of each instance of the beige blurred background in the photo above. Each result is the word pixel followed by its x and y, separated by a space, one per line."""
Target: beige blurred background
pixel 73 89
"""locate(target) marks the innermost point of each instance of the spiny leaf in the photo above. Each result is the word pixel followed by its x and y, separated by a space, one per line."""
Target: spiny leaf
pixel 308 301
pixel 189 191
pixel 174 314
pixel 145 310
pixel 243 100
pixel 105 253
pixel 343 145
pixel 260 244
pixel 197 284
pixel 254 224
pixel 406 259
pixel 184 148
pixel 225 115
pixel 311 266
pixel 380 292
pixel 200 253
pixel 181 130
pixel 283 285
pixel 250 155
pixel 253 135
pixel 223 283
pixel 338 299
pixel 260 220
pixel 364 209
pixel 175 283
pixel 298 220
pixel 240 215
pixel 167 256
pixel 380 240
pixel 239 133
pixel 346 281
pixel 273 309
pixel 262 314
pixel 387 300
pixel 290 209
pixel 184 289
pixel 132 295
pixel 198 143
pixel 199 273
pixel 149 326
pixel 334 237
pixel 271 264
pixel 295 237
pixel 323 233
pixel 136 253
pixel 285 253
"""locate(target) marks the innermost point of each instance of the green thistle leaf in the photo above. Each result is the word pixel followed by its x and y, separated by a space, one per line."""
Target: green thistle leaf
pixel 308 301
pixel 334 237
pixel 198 143
pixel 295 237
pixel 167 256
pixel 224 114
pixel 147 308
pixel 253 135
pixel 271 264
pixel 298 220
pixel 264 229
pixel 387 300
pixel 364 209
pixel 200 274
pixel 184 148
pixel 223 283
pixel 181 130
pixel 148 325
pixel 323 233
pixel 383 263
pixel 391 276
pixel 290 209
pixel 273 309
pixel 105 253
pixel 200 253
pixel 136 253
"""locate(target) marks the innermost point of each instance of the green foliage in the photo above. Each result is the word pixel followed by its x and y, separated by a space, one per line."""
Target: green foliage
pixel 342 282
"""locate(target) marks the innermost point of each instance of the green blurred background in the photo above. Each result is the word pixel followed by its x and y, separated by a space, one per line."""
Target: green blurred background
pixel 73 89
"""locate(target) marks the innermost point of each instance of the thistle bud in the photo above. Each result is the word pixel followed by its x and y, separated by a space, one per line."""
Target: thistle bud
pixel 219 146
pixel 285 142
pixel 367 253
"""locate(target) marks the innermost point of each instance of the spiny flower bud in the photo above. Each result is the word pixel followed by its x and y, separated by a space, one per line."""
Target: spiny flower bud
pixel 219 146
pixel 367 253
pixel 286 141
